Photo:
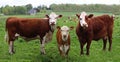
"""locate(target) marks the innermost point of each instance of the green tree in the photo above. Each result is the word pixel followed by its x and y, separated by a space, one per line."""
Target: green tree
pixel 29 6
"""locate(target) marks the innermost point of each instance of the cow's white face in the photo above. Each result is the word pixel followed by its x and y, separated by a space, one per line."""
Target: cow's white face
pixel 65 32
pixel 53 19
pixel 82 20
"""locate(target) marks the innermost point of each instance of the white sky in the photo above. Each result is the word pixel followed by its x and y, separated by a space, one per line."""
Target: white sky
pixel 36 3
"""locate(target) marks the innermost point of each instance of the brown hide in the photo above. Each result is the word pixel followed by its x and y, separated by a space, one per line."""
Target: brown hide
pixel 27 27
pixel 100 27
pixel 61 42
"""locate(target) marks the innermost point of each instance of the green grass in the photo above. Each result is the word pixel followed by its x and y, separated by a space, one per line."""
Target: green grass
pixel 30 51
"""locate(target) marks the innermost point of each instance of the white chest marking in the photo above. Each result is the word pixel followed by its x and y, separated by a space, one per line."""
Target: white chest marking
pixel 64 48
pixel 16 35
pixel 48 37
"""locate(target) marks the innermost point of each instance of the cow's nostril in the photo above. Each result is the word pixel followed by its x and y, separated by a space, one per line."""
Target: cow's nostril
pixel 84 25
pixel 64 36
pixel 52 23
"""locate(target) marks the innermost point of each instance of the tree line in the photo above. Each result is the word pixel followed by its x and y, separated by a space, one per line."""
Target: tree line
pixel 14 10
pixel 88 8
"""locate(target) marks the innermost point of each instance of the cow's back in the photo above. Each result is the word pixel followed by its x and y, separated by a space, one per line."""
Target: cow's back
pixel 28 27
pixel 100 26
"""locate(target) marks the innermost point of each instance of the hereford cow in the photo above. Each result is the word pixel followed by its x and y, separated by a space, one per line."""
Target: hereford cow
pixel 94 28
pixel 30 29
pixel 63 39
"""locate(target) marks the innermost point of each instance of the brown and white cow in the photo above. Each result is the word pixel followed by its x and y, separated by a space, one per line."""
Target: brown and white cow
pixel 94 28
pixel 41 28
pixel 63 39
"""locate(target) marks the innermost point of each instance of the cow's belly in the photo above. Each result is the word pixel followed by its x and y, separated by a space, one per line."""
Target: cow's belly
pixel 47 37
pixel 28 38
pixel 100 34
pixel 97 37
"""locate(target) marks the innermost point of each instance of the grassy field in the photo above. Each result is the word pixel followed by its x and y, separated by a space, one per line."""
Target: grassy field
pixel 30 51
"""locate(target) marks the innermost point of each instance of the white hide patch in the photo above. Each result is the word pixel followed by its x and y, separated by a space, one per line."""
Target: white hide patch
pixel 61 48
pixel 64 48
pixel 48 36
pixel 82 19
pixel 11 47
pixel 53 27
pixel 16 35
pixel 64 32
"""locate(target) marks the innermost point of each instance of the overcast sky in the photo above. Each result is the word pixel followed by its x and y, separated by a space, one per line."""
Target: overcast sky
pixel 36 3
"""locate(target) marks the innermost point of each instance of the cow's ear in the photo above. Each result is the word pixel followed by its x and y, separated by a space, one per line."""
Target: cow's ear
pixel 90 16
pixel 58 27
pixel 59 16
pixel 78 15
pixel 47 16
pixel 72 27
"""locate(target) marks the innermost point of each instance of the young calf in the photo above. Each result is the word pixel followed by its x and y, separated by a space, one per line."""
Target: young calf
pixel 63 39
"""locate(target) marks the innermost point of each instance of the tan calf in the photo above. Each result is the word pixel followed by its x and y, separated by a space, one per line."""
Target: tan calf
pixel 63 39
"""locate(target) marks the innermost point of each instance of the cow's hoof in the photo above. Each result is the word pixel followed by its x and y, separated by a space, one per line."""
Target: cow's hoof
pixel 87 54
pixel 43 53
pixel 81 54
pixel 13 52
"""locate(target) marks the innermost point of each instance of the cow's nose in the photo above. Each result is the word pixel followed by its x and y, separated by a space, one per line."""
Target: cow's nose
pixel 64 36
pixel 85 25
pixel 52 23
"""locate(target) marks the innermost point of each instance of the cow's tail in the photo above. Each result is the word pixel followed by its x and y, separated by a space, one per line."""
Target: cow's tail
pixel 6 37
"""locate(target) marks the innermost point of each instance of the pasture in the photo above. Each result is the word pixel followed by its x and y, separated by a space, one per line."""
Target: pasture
pixel 30 51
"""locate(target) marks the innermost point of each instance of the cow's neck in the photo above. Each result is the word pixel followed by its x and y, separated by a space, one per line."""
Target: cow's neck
pixel 48 36
pixel 52 28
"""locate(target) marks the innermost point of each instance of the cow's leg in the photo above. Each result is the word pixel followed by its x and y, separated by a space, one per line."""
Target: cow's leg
pixel 88 47
pixel 42 49
pixel 104 42
pixel 43 45
pixel 110 37
pixel 110 42
pixel 82 43
pixel 61 50
pixel 11 47
pixel 67 47
pixel 11 38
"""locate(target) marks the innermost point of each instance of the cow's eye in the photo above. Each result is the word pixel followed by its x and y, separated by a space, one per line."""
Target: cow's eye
pixel 80 18
pixel 56 18
pixel 67 30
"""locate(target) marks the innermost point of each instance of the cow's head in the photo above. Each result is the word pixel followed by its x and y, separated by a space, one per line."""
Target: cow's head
pixel 65 31
pixel 83 17
pixel 53 19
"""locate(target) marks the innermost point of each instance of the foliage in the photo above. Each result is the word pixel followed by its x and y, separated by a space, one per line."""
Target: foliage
pixel 28 7
pixel 115 9
pixel 12 10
